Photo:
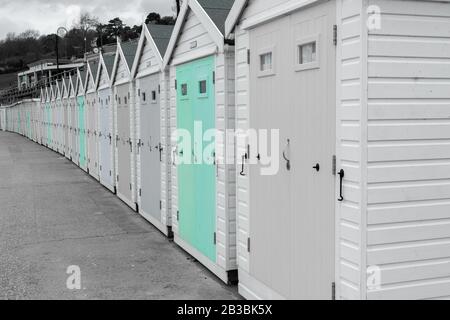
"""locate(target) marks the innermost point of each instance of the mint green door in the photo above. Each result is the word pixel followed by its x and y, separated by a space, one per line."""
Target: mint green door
pixel 197 177
pixel 82 130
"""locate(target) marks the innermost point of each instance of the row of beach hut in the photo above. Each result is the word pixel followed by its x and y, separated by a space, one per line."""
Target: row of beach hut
pixel 352 201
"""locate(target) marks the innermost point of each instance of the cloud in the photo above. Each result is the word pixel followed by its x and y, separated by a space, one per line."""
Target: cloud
pixel 47 15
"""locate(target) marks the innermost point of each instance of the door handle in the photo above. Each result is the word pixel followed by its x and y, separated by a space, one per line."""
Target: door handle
pixel 160 152
pixel 341 178
pixel 242 173
pixel 288 161
pixel 317 167
pixel 174 156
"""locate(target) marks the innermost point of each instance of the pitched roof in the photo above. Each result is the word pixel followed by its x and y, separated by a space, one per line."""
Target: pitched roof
pixel 66 83
pixel 161 35
pixel 83 77
pixel 93 65
pixel 129 49
pixel 218 11
pixel 109 62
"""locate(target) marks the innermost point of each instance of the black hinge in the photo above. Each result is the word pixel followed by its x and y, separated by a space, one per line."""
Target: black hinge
pixel 178 215
pixel 110 173
pixel 117 178
pixel 160 205
pixel 130 186
pixel 176 84
pixel 334 166
pixel 335 35
pixel 248 56
pixel 140 192
pixel 215 238
pixel 248 244
pixel 214 77
pixel 333 291
pixel 159 88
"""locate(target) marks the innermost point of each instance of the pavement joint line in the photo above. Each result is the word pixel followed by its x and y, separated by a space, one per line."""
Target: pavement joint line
pixel 29 244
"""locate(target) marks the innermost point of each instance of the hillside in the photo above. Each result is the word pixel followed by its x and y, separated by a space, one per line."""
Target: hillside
pixel 8 80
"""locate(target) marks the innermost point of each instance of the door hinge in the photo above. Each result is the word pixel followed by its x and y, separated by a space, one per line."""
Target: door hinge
pixel 159 88
pixel 176 84
pixel 178 215
pixel 117 178
pixel 335 34
pixel 214 77
pixel 215 238
pixel 248 244
pixel 334 166
pixel 140 192
pixel 130 186
pixel 248 56
pixel 333 291
pixel 160 205
pixel 110 173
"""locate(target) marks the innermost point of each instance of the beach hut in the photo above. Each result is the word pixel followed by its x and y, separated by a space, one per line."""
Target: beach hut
pixel 81 117
pixel 73 117
pixel 51 115
pixel 153 159
pixel 124 122
pixel 40 118
pixel 47 117
pixel 92 116
pixel 2 119
pixel 359 206
pixel 58 117
pixel 105 121
pixel 201 66
pixel 66 114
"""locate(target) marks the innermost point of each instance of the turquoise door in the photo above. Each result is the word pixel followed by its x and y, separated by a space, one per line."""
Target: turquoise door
pixel 197 173
pixel 81 126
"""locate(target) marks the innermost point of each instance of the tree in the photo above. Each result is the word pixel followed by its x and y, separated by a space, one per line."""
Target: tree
pixel 29 34
pixel 87 22
pixel 153 18
pixel 167 20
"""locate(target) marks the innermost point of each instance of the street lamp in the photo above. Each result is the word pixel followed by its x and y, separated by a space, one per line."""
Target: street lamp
pixel 60 33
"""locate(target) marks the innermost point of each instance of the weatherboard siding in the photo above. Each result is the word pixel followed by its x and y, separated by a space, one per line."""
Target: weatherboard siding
pixel 193 33
pixel 408 214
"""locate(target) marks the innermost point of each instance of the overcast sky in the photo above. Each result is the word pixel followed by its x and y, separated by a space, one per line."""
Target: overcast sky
pixel 47 15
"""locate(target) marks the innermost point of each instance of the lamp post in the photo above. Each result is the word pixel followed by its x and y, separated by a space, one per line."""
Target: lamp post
pixel 61 32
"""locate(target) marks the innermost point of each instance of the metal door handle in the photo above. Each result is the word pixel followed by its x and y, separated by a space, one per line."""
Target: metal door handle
pixel 317 167
pixel 288 161
pixel 242 173
pixel 174 154
pixel 341 177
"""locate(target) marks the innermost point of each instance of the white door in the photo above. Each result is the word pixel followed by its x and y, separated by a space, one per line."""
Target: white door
pixel 124 144
pixel 292 210
pixel 150 150
pixel 105 138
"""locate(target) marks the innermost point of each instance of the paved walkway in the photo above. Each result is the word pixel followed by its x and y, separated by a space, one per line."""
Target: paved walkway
pixel 53 215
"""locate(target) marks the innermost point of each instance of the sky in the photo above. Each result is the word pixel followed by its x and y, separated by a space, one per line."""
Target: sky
pixel 46 16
